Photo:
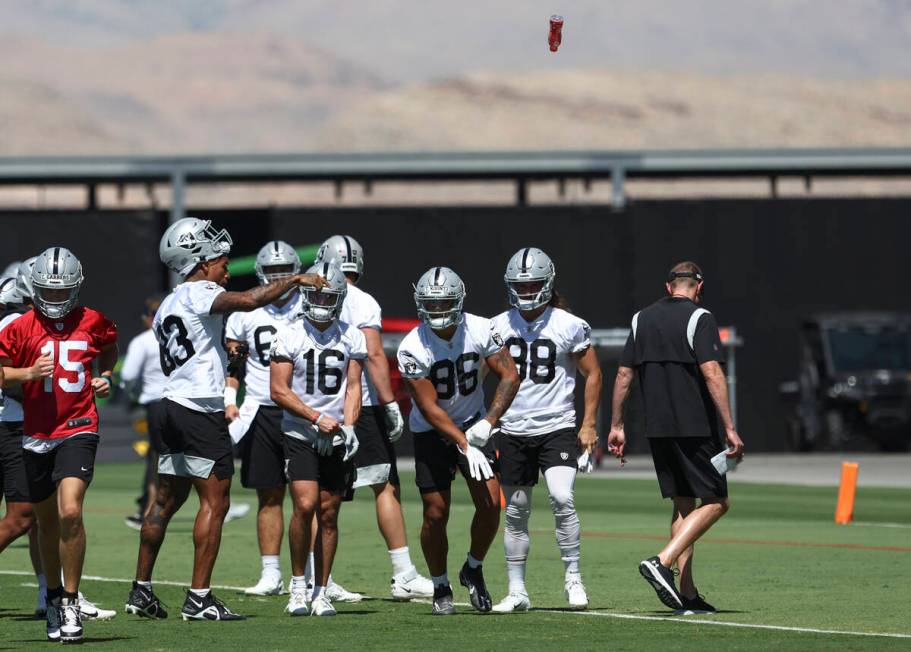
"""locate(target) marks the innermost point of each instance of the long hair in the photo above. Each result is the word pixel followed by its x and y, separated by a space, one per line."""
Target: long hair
pixel 557 300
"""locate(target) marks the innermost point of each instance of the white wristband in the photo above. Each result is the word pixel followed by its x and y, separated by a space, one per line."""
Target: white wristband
pixel 318 419
pixel 230 396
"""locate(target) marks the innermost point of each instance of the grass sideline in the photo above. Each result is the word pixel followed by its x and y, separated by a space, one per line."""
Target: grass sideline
pixel 776 560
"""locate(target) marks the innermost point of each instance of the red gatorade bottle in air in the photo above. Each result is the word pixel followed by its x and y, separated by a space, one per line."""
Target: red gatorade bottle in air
pixel 556 32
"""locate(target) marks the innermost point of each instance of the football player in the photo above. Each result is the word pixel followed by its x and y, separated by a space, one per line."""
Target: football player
pixel 196 447
pixel 440 361
pixel 257 424
pixel 315 377
pixel 142 377
pixel 50 352
pixel 538 431
pixel 380 424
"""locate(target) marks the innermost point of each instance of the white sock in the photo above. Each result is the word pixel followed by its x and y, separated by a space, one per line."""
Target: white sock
pixel 401 560
pixel 270 565
pixel 560 480
pixel 317 591
pixel 200 593
pixel 472 562
pixel 298 583
pixel 309 570
pixel 42 582
pixel 516 542
pixel 440 580
pixel 145 585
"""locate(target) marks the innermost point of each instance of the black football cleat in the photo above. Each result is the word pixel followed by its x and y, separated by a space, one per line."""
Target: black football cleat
pixel 695 606
pixel 473 580
pixel 207 608
pixel 142 602
pixel 442 601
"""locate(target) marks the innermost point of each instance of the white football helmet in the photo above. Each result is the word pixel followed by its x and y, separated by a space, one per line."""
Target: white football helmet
pixel 11 270
pixel 9 295
pixel 325 305
pixel 56 279
pixel 346 251
pixel 24 278
pixel 276 254
pixel 439 295
pixel 532 268
pixel 191 241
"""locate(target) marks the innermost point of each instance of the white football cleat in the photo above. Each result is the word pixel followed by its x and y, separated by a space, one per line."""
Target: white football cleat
pixel 297 603
pixel 575 593
pixel 411 584
pixel 269 584
pixel 322 606
pixel 90 611
pixel 512 603
pixel 236 511
pixel 337 593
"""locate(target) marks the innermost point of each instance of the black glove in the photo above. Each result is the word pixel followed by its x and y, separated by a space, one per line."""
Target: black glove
pixel 237 361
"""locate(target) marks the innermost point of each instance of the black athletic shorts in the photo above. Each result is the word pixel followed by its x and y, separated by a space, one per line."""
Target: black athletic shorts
pixel 522 457
pixel 262 453
pixel 195 444
pixel 74 457
pixel 12 468
pixel 684 467
pixel 375 458
pixel 436 460
pixel 156 418
pixel 302 462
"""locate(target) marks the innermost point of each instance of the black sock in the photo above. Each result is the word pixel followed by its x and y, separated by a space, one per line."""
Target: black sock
pixel 54 595
pixel 70 598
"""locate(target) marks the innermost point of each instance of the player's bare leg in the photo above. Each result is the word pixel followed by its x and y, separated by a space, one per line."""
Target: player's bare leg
pixel 326 538
pixel 486 521
pixel 304 500
pixel 683 507
pixel 214 500
pixel 692 527
pixel 34 550
pixel 434 540
pixel 18 519
pixel 270 521
pixel 170 497
pixel 389 515
pixel 70 496
pixel 49 541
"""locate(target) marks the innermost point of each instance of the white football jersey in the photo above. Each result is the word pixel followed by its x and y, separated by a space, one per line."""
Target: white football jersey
pixel 191 346
pixel 258 329
pixel 10 409
pixel 320 377
pixel 454 367
pixel 362 311
pixel 542 350
pixel 142 364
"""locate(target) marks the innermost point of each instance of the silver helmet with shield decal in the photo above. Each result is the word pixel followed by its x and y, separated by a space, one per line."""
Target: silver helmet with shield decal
pixel 529 277
pixel 439 295
pixel 24 278
pixel 275 261
pixel 191 241
pixel 326 304
pixel 9 294
pixel 346 251
pixel 56 280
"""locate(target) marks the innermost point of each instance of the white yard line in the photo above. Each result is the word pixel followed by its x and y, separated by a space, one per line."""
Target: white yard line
pixel 873 524
pixel 687 620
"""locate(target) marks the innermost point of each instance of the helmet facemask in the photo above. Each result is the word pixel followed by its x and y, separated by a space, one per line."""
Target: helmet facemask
pixel 439 312
pixel 271 273
pixel 323 306
pixel 56 301
pixel 531 293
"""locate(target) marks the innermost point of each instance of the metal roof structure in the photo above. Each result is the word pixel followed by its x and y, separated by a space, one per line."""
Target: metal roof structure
pixel 521 167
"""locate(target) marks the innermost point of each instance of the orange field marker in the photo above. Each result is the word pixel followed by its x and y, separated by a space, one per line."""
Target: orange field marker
pixel 844 511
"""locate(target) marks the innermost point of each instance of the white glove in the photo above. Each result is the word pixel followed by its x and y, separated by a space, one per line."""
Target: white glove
pixel 394 421
pixel 478 466
pixel 323 444
pixel 585 462
pixel 351 442
pixel 479 433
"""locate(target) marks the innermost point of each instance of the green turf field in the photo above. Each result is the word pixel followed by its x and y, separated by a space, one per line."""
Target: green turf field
pixel 777 560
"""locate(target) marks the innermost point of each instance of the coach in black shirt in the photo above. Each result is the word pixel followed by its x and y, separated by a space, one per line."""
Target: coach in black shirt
pixel 675 349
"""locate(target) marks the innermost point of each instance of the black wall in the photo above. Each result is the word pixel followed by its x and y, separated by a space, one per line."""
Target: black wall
pixel 767 263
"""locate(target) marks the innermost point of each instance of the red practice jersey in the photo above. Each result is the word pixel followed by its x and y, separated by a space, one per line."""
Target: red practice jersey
pixel 63 404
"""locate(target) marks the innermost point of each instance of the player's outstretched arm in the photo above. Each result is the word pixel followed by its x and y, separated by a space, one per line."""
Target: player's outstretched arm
pixel 425 398
pixel 262 295
pixel 280 373
pixel 503 365
pixel 587 362
pixel 352 409
pixel 14 376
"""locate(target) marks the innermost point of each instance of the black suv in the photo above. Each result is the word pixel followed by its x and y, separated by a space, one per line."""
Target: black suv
pixel 853 386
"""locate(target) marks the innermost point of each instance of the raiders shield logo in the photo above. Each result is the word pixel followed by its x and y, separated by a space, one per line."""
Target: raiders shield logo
pixel 495 336
pixel 564 456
